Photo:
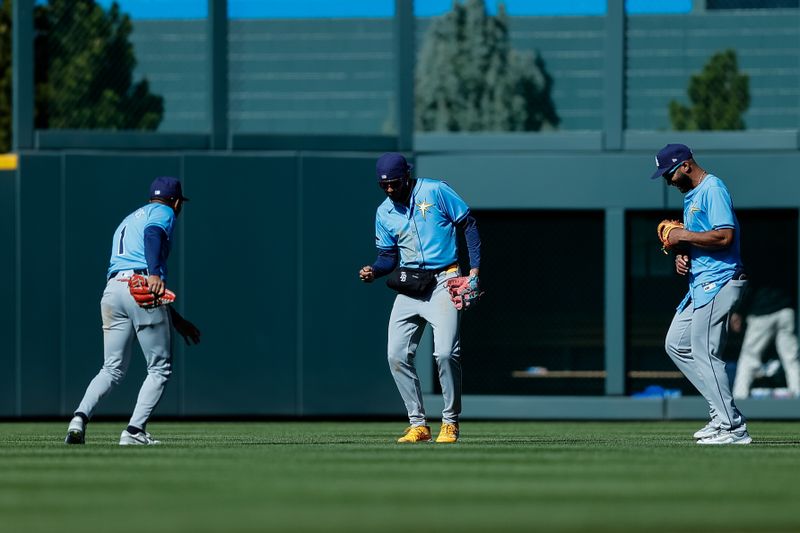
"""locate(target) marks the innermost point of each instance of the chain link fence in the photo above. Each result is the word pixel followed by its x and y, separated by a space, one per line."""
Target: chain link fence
pixel 98 67
pixel 722 65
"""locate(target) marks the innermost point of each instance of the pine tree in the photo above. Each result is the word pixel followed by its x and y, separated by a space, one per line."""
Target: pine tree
pixel 719 96
pixel 469 79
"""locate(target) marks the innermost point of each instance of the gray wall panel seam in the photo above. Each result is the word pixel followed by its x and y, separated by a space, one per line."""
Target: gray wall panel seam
pixel 17 289
pixel 63 282
pixel 614 75
pixel 404 39
pixel 218 75
pixel 22 79
pixel 182 289
pixel 299 403
pixel 615 301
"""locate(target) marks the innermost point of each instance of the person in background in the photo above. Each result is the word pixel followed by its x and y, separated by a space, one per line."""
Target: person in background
pixel 768 312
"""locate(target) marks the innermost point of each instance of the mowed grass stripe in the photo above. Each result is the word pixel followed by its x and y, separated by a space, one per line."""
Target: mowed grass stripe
pixel 324 476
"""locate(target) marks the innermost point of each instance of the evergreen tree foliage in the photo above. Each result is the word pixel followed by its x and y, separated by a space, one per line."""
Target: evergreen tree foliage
pixel 83 72
pixel 469 78
pixel 5 76
pixel 719 96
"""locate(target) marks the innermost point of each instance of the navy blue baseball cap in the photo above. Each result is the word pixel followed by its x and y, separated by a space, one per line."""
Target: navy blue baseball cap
pixel 670 156
pixel 391 166
pixel 167 187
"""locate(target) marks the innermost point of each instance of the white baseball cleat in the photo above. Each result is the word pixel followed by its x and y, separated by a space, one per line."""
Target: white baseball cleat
pixel 136 439
pixel 726 436
pixel 708 430
pixel 76 432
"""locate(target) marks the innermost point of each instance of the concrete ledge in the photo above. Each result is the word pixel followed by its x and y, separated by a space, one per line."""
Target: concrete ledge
pixel 686 408
pixel 736 141
pixel 506 142
pixel 606 408
pixel 690 408
pixel 119 140
pixel 357 143
pixel 553 407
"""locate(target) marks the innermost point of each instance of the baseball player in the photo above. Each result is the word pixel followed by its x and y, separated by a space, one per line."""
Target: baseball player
pixel 140 247
pixel 769 313
pixel 707 245
pixel 416 229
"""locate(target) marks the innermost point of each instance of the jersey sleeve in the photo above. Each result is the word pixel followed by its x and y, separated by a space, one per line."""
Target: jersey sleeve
pixel 384 240
pixel 162 217
pixel 719 208
pixel 451 203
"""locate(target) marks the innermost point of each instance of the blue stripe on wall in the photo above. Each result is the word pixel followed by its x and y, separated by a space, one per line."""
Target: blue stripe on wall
pixel 303 9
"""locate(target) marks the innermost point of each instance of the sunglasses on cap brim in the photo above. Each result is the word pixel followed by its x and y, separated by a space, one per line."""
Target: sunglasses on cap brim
pixel 670 172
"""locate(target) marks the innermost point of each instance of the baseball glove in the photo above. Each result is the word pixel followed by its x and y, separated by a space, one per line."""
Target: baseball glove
pixel 664 227
pixel 137 284
pixel 464 291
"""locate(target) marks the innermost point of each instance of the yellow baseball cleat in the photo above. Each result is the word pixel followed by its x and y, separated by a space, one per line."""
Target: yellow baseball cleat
pixel 416 434
pixel 448 434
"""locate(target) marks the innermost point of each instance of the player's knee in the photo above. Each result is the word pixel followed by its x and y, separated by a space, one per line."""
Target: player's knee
pixel 446 358
pixel 671 348
pixel 115 372
pixel 397 359
pixel 160 372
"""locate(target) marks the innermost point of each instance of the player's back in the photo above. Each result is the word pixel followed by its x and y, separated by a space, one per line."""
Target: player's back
pixel 127 245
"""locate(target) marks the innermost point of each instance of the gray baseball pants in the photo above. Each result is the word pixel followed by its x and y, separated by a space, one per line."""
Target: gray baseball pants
pixel 406 325
pixel 761 330
pixel 695 340
pixel 123 320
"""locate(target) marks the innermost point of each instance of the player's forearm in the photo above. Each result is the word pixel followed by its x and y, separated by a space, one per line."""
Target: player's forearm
pixel 717 239
pixel 473 238
pixel 384 263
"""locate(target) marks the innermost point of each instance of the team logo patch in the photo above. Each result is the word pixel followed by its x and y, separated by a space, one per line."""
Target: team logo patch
pixel 403 276
pixel 693 210
pixel 423 207
pixel 139 213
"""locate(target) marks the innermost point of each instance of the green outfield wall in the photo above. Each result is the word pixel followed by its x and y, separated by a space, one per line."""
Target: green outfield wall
pixel 265 264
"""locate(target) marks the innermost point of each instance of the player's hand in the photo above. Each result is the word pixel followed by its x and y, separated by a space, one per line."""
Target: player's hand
pixel 736 322
pixel 366 274
pixel 156 285
pixel 187 330
pixel 681 262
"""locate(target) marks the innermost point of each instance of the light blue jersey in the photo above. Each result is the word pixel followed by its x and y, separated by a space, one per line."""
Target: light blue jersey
pixel 425 233
pixel 708 207
pixel 127 248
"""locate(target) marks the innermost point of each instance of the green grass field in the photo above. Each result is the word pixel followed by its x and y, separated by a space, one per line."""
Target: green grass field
pixel 326 476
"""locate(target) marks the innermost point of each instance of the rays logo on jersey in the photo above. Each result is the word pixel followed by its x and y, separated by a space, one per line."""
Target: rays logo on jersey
pixel 423 207
pixel 692 210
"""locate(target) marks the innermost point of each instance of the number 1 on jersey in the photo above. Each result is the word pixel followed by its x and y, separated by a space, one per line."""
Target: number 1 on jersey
pixel 121 247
